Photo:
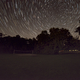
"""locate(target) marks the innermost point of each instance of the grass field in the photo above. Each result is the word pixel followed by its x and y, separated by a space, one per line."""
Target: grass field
pixel 40 67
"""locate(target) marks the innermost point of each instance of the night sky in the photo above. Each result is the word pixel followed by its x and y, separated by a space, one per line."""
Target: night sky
pixel 28 18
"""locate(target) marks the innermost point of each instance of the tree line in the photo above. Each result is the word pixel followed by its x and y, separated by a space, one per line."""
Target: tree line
pixel 45 43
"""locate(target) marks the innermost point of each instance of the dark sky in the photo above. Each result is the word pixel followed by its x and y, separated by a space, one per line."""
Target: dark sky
pixel 28 18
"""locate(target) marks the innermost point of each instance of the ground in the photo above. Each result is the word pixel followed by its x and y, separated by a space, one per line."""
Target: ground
pixel 40 67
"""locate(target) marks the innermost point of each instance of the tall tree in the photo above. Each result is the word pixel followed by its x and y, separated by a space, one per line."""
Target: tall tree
pixel 53 42
pixel 59 37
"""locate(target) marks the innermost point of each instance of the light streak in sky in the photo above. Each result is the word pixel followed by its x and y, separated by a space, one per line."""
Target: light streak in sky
pixel 28 18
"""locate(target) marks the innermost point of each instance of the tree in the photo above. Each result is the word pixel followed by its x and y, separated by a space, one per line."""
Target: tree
pixel 1 35
pixel 52 43
pixel 17 36
pixel 41 44
pixel 78 30
pixel 59 38
pixel 53 33
pixel 43 37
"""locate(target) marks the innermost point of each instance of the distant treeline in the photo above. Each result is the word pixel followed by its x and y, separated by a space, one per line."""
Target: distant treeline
pixel 45 43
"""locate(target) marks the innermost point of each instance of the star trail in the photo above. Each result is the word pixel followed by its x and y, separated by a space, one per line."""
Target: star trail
pixel 28 18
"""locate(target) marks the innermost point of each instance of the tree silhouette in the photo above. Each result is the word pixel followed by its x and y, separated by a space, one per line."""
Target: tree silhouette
pixel 52 43
pixel 59 38
pixel 1 35
pixel 17 36
pixel 78 30
pixel 43 37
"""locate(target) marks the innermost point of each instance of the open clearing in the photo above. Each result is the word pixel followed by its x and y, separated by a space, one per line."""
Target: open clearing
pixel 26 54
pixel 40 67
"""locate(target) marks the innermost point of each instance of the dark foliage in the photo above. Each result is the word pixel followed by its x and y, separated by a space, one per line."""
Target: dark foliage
pixel 58 40
pixel 11 45
pixel 78 30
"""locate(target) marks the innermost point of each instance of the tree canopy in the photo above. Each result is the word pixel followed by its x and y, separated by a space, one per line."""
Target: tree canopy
pixel 45 43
